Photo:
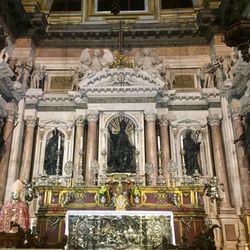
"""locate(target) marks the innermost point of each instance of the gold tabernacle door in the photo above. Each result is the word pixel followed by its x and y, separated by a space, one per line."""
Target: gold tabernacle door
pixel 119 229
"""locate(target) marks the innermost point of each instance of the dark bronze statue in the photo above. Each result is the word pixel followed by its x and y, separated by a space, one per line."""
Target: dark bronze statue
pixel 245 137
pixel 191 151
pixel 51 154
pixel 121 156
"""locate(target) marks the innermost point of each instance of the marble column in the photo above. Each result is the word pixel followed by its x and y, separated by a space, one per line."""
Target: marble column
pixel 151 148
pixel 30 123
pixel 91 153
pixel 7 136
pixel 165 148
pixel 219 159
pixel 79 135
pixel 242 159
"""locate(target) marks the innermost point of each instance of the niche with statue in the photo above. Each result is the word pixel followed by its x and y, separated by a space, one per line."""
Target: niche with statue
pixel 121 146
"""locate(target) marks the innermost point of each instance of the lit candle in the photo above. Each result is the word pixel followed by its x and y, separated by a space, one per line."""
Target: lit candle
pixel 59 142
pixel 181 141
pixel 81 143
pixel 158 142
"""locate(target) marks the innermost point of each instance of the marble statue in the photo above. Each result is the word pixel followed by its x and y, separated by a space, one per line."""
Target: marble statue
pixel 38 77
pixel 151 64
pixel 75 76
pixel 226 63
pixel 169 77
pixel 19 71
pixel 27 71
pixel 207 76
pixel 90 65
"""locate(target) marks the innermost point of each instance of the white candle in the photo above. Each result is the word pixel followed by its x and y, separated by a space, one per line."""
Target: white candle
pixel 81 143
pixel 158 142
pixel 59 142
pixel 181 141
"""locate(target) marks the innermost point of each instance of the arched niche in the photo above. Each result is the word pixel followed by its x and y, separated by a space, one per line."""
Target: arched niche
pixel 121 145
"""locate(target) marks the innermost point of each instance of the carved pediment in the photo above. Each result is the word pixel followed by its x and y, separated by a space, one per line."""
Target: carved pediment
pixel 121 79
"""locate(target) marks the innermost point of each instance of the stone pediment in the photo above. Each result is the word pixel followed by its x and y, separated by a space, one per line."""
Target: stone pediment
pixel 121 80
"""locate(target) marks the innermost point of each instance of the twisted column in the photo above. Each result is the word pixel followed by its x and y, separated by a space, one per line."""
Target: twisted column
pixel 91 145
pixel 165 148
pixel 218 152
pixel 151 148
pixel 30 123
pixel 7 136
pixel 241 156
pixel 79 135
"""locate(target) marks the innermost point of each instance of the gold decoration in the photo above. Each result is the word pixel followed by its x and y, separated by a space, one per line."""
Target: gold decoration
pixel 121 62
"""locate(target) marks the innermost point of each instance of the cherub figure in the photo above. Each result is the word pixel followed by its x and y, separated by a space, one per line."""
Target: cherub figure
pixel 100 60
pixel 149 63
pixel 212 190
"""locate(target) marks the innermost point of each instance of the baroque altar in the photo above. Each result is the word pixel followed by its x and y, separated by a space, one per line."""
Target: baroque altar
pixel 118 229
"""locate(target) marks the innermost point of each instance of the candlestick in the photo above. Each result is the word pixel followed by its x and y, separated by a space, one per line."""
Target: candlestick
pixel 181 141
pixel 81 143
pixel 158 143
pixel 59 142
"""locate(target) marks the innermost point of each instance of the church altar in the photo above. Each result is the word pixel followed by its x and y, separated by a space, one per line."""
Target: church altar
pixel 88 229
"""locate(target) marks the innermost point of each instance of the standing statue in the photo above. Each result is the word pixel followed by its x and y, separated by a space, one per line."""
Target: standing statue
pixel 15 212
pixel 51 154
pixel 19 71
pixel 38 77
pixel 122 153
pixel 75 78
pixel 207 76
pixel 169 77
pixel 245 137
pixel 28 67
pixel 191 151
pixel 226 63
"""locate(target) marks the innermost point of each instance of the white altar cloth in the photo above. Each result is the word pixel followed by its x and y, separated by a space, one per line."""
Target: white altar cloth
pixel 168 214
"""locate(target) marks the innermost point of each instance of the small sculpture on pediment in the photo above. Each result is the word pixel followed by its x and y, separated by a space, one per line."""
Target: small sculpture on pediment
pixel 90 65
pixel 19 70
pixel 27 71
pixel 226 64
pixel 207 75
pixel 150 63
pixel 75 78
pixel 38 77
pixel 169 77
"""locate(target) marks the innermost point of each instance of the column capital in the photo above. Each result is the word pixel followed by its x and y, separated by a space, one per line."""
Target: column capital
pixel 79 121
pixel 11 113
pixel 150 116
pixel 214 119
pixel 30 121
pixel 235 114
pixel 163 120
pixel 93 116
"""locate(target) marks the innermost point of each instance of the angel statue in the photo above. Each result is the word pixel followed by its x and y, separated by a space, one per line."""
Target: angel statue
pixel 90 65
pixel 149 63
